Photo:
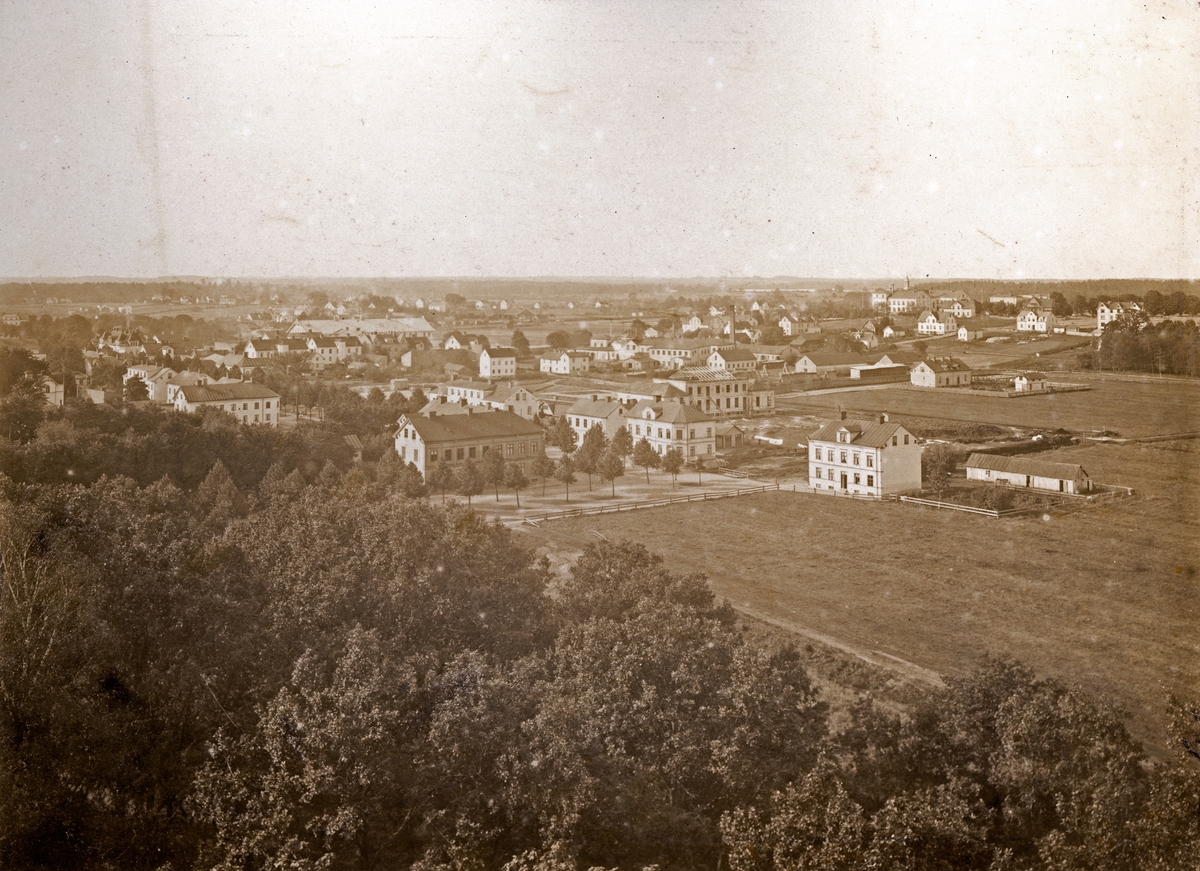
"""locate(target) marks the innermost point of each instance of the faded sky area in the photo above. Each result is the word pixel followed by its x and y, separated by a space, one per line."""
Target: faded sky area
pixel 851 138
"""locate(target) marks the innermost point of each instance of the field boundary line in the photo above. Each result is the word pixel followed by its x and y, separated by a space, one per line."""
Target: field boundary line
pixel 706 496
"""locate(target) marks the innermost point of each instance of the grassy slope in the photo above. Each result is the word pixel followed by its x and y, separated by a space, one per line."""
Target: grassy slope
pixel 1107 596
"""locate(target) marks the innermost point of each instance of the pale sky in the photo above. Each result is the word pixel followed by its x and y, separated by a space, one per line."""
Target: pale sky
pixel 656 139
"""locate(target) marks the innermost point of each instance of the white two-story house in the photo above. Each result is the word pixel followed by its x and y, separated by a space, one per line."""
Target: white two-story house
pixel 863 458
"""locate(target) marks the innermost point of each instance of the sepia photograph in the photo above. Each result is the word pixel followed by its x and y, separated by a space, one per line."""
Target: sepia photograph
pixel 599 435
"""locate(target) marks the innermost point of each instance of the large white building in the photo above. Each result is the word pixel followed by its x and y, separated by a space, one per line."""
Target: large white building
pixel 452 439
pixel 863 458
pixel 497 363
pixel 249 403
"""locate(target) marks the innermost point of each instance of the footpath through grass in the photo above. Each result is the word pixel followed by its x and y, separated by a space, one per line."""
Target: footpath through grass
pixel 1107 596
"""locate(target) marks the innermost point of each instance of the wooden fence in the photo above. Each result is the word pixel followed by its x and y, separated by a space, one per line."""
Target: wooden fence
pixel 584 511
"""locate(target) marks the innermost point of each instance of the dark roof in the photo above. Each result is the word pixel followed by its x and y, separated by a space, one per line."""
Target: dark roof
pixel 867 433
pixel 946 364
pixel 595 408
pixel 1026 466
pixel 732 355
pixel 671 412
pixel 225 392
pixel 477 424
pixel 500 352
pixel 834 358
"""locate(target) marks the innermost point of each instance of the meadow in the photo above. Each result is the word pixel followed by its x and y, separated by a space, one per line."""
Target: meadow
pixel 1103 595
pixel 1132 408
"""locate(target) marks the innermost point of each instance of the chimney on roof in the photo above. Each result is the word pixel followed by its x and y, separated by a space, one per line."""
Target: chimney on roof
pixel 594 397
pixel 883 418
pixel 470 410
pixel 432 413
pixel 842 414
pixel 441 400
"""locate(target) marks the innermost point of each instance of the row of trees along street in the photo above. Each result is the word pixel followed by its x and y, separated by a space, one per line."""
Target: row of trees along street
pixel 229 647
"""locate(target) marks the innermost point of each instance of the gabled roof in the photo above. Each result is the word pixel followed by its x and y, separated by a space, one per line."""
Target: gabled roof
pixel 1026 466
pixel 493 353
pixel 865 433
pixel 603 408
pixel 735 355
pixel 946 364
pixel 225 392
pixel 476 424
pixel 506 392
pixel 670 412
pixel 834 358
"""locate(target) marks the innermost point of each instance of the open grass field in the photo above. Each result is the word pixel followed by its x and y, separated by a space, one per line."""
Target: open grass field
pixel 1107 596
pixel 1133 409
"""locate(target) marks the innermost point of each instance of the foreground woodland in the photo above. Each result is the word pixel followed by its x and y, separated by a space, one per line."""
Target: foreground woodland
pixel 268 662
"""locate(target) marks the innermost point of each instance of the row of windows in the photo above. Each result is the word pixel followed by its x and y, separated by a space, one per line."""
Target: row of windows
pixel 830 474
pixel 476 452
pixel 856 457
pixel 845 437
pixel 709 390
pixel 665 432
pixel 233 406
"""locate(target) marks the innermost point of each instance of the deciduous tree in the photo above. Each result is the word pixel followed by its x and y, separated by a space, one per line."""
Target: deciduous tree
pixel 564 472
pixel 672 462
pixel 645 456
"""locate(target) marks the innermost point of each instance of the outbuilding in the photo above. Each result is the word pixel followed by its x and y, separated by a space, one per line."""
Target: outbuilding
pixel 1030 473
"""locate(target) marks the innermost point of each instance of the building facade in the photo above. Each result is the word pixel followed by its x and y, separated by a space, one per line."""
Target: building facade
pixel 453 439
pixel 863 458
pixel 249 403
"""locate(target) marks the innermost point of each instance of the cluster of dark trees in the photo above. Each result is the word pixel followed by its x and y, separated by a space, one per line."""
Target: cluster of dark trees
pixel 1130 343
pixel 331 674
pixel 225 647
pixel 1157 297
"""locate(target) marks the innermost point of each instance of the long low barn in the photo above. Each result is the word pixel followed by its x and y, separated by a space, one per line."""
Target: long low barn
pixel 1024 472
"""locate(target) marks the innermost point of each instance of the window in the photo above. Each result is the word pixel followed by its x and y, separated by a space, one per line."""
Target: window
pixel 842 456
pixel 458 455
pixel 893 441
pixel 708 431
pixel 691 450
pixel 870 461
pixel 508 449
pixel 678 435
pixel 856 459
pixel 245 406
pixel 521 449
pixel 691 433
pixel 856 478
pixel 256 406
pixel 416 455
pixel 708 449
pixel 402 452
pixel 268 405
pixel 906 439
pixel 870 480
pixel 471 453
pixel 449 455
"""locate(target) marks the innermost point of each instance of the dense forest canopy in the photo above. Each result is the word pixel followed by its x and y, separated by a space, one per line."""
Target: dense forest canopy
pixel 218 649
